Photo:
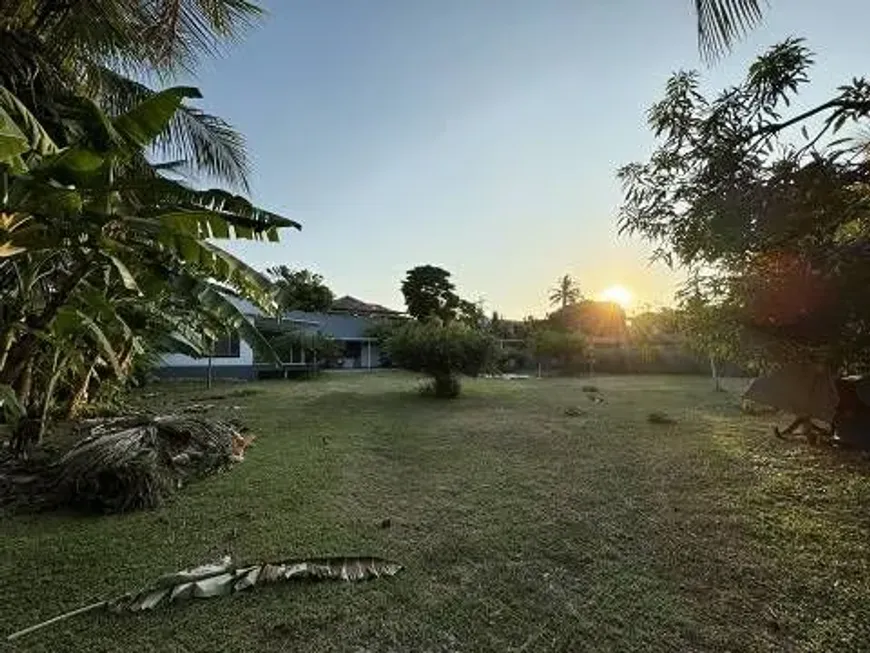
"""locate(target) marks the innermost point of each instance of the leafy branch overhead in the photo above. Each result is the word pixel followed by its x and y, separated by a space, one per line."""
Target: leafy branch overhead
pixel 769 210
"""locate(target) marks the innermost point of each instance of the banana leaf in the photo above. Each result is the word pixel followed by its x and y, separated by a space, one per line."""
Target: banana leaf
pixel 223 578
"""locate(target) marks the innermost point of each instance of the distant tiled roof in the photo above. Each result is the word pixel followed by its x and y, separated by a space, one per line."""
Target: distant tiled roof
pixel 348 304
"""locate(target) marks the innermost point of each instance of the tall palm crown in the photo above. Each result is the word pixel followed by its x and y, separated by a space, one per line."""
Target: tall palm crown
pixel 566 292
pixel 107 49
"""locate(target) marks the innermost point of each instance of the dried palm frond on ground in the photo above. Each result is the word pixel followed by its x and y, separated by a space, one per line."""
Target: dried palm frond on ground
pixel 223 578
pixel 132 462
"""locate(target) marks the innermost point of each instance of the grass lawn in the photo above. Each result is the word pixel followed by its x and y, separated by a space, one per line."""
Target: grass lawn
pixel 521 528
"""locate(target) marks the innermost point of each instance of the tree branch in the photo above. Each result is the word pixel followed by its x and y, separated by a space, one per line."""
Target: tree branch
pixel 840 105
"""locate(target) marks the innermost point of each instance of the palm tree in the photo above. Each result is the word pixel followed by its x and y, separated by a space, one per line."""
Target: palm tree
pixel 566 292
pixel 105 50
pixel 722 22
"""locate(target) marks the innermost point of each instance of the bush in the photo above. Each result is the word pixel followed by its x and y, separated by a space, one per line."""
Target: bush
pixel 566 349
pixel 381 331
pixel 443 387
pixel 442 351
pixel 514 360
pixel 327 350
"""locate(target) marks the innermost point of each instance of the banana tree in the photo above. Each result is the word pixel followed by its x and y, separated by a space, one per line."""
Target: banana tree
pixel 94 229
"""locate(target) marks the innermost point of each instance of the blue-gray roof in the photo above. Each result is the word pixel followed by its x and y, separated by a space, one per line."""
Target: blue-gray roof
pixel 337 325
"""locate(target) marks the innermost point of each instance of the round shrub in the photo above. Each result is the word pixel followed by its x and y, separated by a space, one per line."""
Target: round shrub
pixel 442 351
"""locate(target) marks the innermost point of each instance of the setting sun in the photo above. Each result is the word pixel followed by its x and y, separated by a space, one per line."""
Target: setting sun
pixel 617 294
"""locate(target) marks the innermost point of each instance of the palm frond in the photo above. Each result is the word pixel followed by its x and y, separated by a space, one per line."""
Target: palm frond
pixel 27 66
pixel 210 146
pixel 161 35
pixel 181 31
pixel 722 22
pixel 99 30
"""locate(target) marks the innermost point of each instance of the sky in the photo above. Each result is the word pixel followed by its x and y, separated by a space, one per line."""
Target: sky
pixel 482 136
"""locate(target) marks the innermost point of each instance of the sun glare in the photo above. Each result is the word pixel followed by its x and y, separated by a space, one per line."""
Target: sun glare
pixel 618 294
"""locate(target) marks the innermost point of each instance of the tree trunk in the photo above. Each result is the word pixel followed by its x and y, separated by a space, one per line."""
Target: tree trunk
pixel 24 384
pixel 28 431
pixel 8 339
pixel 714 372
pixel 80 396
pixel 56 371
pixel 208 377
pixel 25 348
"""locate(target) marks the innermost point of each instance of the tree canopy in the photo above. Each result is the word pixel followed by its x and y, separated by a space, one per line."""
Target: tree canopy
pixel 592 318
pixel 301 290
pixel 429 293
pixel 768 212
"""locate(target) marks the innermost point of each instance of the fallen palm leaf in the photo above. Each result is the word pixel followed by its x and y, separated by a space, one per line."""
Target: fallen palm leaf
pixel 223 578
pixel 138 461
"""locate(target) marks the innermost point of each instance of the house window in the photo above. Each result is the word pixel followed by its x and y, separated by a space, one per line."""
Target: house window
pixel 227 347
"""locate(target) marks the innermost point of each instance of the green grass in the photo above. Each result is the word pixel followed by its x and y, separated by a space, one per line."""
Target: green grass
pixel 521 528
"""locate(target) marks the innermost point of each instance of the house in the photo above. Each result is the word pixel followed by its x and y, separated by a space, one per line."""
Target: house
pixel 354 306
pixel 348 321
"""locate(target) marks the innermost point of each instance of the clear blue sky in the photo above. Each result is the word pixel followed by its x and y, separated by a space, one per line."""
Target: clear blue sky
pixel 479 135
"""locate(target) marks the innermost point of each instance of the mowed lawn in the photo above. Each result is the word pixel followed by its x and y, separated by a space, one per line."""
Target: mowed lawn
pixel 521 528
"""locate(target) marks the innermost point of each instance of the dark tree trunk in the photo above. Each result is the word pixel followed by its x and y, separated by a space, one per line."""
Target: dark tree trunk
pixel 24 350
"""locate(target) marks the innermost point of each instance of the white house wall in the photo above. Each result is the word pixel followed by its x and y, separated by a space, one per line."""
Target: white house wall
pixel 245 359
